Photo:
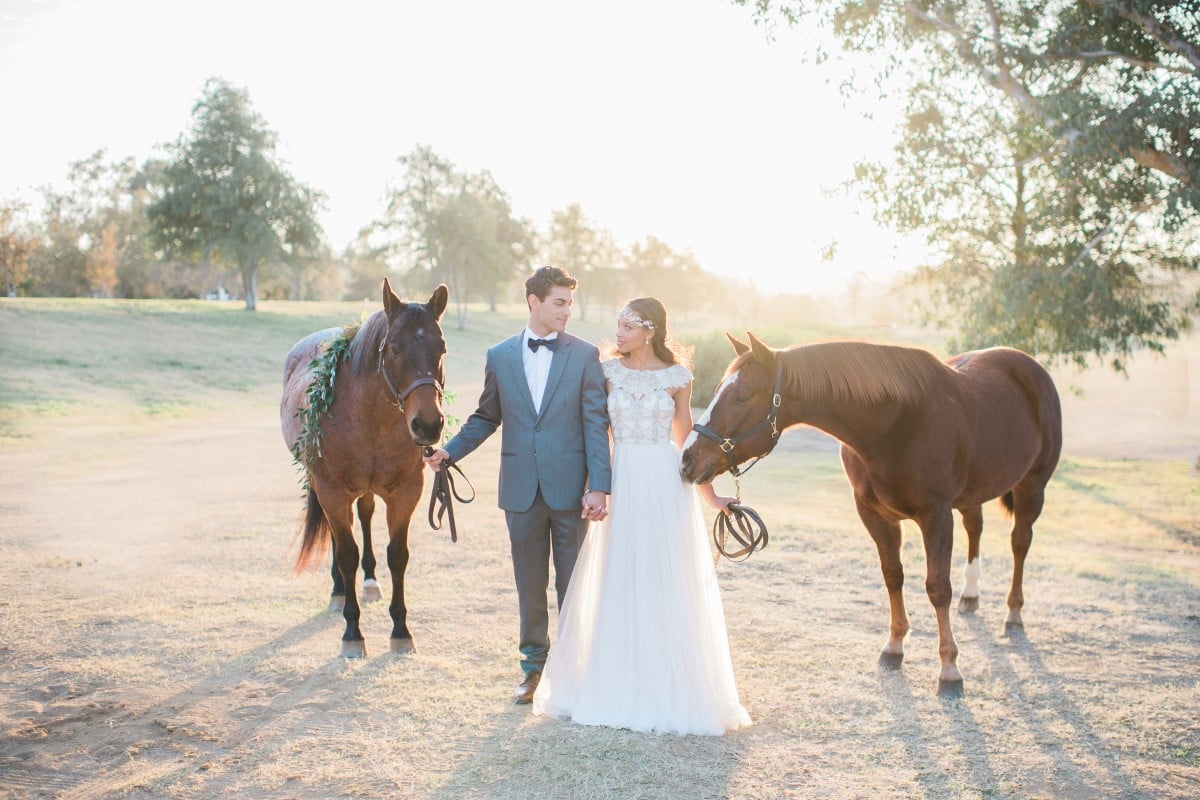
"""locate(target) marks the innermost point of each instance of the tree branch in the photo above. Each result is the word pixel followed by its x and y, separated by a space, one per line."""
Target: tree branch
pixel 1158 30
pixel 1134 213
pixel 1147 156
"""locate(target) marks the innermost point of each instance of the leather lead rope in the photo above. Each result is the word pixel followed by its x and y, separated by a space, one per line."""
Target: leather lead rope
pixel 743 524
pixel 443 494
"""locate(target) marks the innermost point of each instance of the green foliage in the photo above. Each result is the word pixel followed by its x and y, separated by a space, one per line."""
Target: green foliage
pixel 711 354
pixel 319 399
pixel 446 226
pixel 1050 157
pixel 225 197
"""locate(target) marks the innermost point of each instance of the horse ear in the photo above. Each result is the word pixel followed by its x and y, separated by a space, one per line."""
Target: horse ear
pixel 391 303
pixel 437 301
pixel 762 352
pixel 739 346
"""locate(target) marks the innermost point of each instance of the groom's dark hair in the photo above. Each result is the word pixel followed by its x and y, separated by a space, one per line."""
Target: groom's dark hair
pixel 540 282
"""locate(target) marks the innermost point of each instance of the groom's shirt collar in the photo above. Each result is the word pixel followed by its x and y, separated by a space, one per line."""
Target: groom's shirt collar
pixel 537 365
pixel 531 335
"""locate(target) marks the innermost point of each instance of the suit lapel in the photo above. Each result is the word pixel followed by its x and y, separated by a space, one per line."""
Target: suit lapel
pixel 517 363
pixel 557 364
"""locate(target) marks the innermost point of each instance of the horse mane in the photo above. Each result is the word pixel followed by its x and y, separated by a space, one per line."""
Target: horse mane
pixel 859 372
pixel 365 347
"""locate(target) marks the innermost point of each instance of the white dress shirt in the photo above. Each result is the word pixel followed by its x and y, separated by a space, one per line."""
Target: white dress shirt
pixel 537 365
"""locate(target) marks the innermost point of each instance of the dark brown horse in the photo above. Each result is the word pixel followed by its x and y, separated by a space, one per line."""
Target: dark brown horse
pixel 920 438
pixel 387 403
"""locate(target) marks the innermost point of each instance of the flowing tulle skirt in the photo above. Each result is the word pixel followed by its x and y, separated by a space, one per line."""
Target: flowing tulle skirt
pixel 641 640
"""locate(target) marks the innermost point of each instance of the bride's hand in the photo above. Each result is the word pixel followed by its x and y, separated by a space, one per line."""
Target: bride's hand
pixel 721 503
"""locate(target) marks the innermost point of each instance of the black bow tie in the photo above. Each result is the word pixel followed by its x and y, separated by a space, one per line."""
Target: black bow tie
pixel 549 344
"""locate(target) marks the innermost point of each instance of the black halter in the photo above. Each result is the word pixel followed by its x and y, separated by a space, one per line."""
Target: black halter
pixel 772 421
pixel 424 378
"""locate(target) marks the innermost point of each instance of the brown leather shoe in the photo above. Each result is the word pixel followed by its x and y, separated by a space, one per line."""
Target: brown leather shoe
pixel 524 692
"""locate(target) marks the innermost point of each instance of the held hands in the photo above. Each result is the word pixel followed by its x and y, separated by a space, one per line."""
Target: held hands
pixel 595 506
pixel 435 461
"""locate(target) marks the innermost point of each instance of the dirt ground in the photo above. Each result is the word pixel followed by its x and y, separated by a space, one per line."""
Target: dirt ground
pixel 154 643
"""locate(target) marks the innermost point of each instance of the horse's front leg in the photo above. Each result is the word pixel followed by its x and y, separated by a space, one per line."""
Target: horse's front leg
pixel 345 552
pixel 886 535
pixel 937 528
pixel 370 587
pixel 400 506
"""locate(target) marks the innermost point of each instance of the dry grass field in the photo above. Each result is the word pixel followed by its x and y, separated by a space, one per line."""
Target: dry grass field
pixel 155 644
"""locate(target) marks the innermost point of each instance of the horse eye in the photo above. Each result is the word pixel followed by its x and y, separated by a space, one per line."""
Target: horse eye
pixel 742 400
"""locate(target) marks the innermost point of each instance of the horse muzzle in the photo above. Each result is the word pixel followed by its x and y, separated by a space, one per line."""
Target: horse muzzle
pixel 425 432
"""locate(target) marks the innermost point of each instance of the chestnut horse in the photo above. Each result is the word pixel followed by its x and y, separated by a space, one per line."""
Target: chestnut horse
pixel 919 439
pixel 387 403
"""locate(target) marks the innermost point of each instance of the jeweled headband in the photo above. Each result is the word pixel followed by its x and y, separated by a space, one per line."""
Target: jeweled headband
pixel 631 318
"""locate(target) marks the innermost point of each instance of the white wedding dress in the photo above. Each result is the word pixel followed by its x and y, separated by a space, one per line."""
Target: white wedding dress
pixel 641 640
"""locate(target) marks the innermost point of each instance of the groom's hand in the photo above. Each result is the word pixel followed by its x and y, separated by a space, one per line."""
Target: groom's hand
pixel 435 461
pixel 595 506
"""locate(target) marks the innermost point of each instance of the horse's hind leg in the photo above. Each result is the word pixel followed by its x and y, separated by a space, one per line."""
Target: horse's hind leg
pixel 337 597
pixel 1028 498
pixel 968 601
pixel 370 587
pixel 937 528
pixel 345 553
pixel 887 538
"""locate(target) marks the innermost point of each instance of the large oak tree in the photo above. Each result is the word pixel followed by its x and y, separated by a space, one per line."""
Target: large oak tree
pixel 1050 156
pixel 226 197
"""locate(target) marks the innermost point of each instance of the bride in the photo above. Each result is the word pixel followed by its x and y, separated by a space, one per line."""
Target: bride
pixel 641 635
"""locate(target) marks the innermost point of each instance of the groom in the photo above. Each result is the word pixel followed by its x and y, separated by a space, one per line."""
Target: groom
pixel 547 389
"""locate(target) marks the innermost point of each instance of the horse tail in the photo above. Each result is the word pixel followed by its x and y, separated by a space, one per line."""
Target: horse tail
pixel 314 531
pixel 1007 501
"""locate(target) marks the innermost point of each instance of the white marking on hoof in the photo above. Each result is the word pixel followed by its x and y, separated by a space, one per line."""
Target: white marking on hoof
pixel 370 591
pixel 971 575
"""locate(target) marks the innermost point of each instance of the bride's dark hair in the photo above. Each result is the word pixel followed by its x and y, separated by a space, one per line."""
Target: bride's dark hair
pixel 666 347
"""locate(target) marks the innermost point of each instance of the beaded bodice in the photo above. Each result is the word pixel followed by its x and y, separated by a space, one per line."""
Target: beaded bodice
pixel 640 409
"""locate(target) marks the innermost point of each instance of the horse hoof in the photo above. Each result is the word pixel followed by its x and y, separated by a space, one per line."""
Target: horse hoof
pixel 401 646
pixel 1014 630
pixel 968 605
pixel 891 660
pixel 337 602
pixel 951 690
pixel 370 592
pixel 354 649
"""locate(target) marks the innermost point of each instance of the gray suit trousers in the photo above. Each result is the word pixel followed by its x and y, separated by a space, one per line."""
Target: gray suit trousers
pixel 535 535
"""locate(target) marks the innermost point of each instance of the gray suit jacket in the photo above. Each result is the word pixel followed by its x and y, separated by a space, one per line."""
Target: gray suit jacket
pixel 563 449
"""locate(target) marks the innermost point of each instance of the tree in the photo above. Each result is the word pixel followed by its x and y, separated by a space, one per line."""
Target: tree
pixel 101 263
pixel 585 251
pixel 407 231
pixel 449 227
pixel 16 243
pixel 224 195
pixel 1050 156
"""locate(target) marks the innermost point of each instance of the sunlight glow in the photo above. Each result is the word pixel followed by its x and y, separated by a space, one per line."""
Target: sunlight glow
pixel 676 119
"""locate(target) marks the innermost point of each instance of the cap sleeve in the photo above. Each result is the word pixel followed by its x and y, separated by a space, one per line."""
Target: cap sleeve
pixel 609 365
pixel 676 376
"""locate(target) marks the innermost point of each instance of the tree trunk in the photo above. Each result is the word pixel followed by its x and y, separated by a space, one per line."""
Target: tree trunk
pixel 250 284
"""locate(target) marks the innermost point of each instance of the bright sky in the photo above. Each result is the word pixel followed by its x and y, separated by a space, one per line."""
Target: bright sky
pixel 671 118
